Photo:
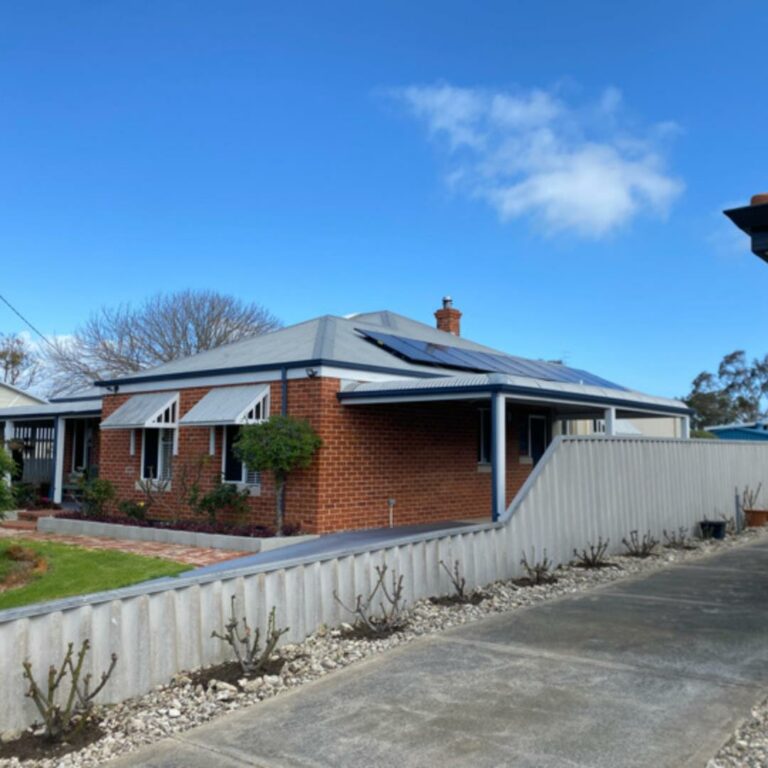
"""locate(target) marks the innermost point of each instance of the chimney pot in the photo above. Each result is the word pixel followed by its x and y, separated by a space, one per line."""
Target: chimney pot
pixel 448 317
pixel 760 199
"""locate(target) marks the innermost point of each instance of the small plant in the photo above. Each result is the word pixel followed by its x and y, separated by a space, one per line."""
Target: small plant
pixel 7 468
pixel 59 720
pixel 97 493
pixel 678 539
pixel 224 498
pixel 391 615
pixel 247 645
pixel 278 445
pixel 640 547
pixel 458 581
pixel 25 495
pixel 594 557
pixel 749 497
pixel 538 571
pixel 730 525
pixel 133 509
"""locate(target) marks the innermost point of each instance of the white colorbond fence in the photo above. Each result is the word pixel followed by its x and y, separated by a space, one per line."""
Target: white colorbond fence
pixel 582 488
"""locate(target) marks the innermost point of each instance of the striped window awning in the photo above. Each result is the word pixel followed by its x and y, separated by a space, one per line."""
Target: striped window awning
pixel 154 411
pixel 230 405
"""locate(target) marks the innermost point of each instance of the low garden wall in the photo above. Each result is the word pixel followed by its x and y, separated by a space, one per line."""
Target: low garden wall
pixel 251 544
pixel 582 488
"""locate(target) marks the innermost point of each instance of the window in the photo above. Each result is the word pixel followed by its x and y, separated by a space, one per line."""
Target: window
pixel 157 454
pixel 598 426
pixel 484 437
pixel 233 470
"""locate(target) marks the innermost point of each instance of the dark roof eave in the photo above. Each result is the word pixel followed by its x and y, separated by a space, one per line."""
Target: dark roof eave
pixel 487 389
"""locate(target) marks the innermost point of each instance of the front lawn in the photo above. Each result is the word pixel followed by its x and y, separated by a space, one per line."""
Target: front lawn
pixel 73 570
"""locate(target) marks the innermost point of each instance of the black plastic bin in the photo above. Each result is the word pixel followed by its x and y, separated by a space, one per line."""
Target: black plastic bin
pixel 712 529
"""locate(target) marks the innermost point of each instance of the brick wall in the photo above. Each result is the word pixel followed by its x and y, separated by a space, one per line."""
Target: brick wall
pixel 423 455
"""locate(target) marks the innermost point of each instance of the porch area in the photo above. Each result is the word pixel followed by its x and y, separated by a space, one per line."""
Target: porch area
pixel 53 445
pixel 516 423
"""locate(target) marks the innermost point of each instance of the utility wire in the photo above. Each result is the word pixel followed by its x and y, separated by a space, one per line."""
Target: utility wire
pixel 24 319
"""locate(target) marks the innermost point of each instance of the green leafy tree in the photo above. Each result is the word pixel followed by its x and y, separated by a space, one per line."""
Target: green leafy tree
pixel 736 393
pixel 7 467
pixel 278 445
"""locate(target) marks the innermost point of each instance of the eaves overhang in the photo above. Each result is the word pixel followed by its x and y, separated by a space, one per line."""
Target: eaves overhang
pixel 416 394
pixel 277 367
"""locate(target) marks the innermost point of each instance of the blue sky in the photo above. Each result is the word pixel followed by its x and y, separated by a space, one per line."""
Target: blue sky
pixel 558 168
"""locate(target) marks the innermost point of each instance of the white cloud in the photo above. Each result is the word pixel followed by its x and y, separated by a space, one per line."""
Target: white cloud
pixel 570 167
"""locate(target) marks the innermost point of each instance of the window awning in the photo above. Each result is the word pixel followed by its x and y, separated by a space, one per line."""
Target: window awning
pixel 145 412
pixel 229 405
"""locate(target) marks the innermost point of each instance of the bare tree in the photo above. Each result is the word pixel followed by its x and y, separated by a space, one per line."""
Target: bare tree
pixel 116 341
pixel 19 362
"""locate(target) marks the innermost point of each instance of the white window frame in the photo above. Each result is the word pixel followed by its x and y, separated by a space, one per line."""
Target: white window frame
pixel 256 413
pixel 164 482
pixel 249 479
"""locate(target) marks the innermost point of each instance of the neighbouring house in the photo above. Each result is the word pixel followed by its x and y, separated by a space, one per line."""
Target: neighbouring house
pixel 445 427
pixel 754 430
pixel 11 396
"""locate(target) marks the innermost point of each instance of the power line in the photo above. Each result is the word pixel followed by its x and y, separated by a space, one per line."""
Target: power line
pixel 24 319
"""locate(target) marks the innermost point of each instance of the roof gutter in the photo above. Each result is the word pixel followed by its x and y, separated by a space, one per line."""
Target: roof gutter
pixel 533 392
pixel 313 363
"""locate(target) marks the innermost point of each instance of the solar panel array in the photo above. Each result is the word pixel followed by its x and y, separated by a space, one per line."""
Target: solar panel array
pixel 424 352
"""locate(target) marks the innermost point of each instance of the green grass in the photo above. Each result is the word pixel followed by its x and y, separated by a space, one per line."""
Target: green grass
pixel 78 571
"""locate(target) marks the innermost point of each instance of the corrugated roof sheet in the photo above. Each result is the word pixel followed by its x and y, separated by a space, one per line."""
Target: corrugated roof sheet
pixel 139 411
pixel 550 389
pixel 227 405
pixel 45 410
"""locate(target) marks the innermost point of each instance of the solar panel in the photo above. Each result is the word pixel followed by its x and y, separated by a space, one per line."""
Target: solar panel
pixel 418 351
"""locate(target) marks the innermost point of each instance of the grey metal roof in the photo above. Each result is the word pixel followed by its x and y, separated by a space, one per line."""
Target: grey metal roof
pixel 226 405
pixel 139 411
pixel 329 339
pixel 51 410
pixel 488 382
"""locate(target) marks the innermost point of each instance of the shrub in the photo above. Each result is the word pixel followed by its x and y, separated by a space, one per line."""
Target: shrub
pixel 250 656
pixel 640 547
pixel 458 581
pixel 7 467
pixel 137 510
pixel 25 495
pixel 678 539
pixel 279 445
pixel 224 498
pixel 97 494
pixel 594 557
pixel 391 614
pixel 538 571
pixel 59 719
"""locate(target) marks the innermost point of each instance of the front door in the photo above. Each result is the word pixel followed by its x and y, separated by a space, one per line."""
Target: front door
pixel 537 436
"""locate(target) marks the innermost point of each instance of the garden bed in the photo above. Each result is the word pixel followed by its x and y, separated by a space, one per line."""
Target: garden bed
pixel 186 533
pixel 196 697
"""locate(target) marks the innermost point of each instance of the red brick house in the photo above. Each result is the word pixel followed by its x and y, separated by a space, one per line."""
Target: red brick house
pixel 446 427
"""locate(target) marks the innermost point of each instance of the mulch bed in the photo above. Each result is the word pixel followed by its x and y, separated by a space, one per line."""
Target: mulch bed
pixel 475 598
pixel 26 563
pixel 231 672
pixel 525 581
pixel 31 747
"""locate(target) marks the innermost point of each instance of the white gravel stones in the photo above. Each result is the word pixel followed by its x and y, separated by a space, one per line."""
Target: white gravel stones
pixel 748 747
pixel 180 705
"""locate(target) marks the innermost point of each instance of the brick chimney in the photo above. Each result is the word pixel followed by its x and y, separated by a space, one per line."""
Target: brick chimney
pixel 448 318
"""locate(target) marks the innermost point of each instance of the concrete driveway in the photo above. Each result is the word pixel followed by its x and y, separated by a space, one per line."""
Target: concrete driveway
pixel 653 671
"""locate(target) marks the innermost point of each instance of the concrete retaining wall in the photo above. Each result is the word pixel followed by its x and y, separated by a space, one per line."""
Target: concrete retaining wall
pixel 582 488
pixel 166 535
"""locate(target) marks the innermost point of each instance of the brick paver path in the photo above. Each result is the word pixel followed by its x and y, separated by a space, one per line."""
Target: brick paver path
pixel 198 556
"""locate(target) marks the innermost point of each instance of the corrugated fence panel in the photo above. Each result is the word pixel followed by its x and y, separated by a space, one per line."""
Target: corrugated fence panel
pixel 582 489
